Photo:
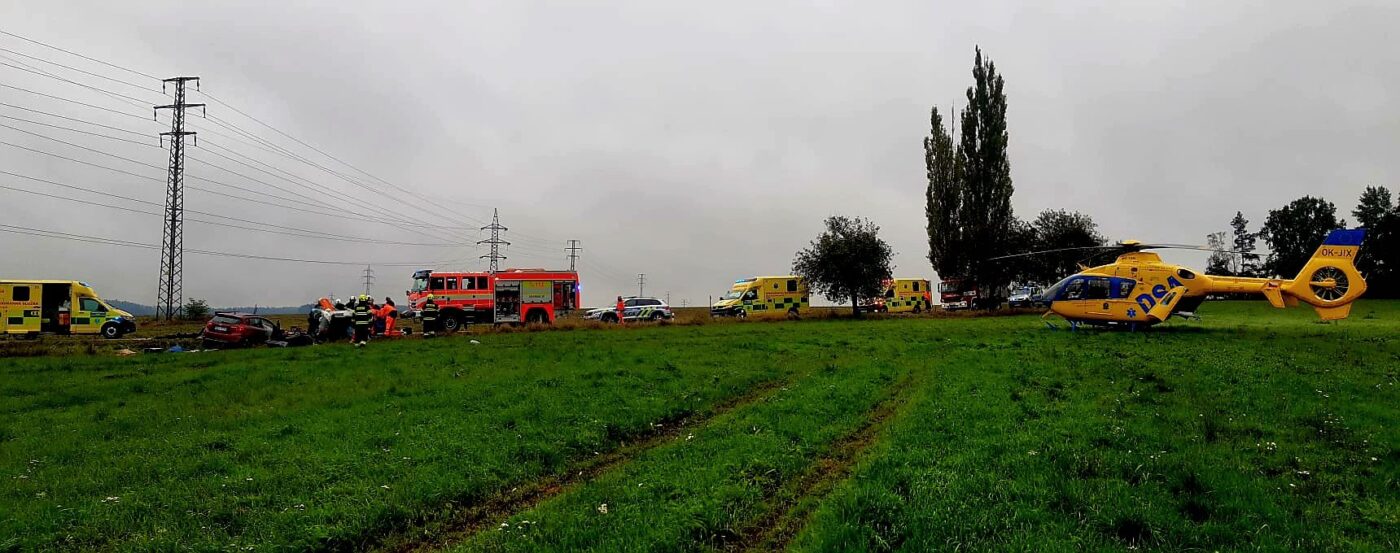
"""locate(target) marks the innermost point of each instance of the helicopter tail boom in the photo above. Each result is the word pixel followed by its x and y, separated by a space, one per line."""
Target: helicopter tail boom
pixel 1329 281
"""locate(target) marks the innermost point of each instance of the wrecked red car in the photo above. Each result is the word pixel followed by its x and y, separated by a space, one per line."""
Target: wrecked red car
pixel 239 330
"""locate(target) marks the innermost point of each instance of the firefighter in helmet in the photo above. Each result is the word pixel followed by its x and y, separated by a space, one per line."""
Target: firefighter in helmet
pixel 430 316
pixel 362 318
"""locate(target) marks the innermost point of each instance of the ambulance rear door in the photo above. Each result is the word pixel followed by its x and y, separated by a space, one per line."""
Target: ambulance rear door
pixel 19 308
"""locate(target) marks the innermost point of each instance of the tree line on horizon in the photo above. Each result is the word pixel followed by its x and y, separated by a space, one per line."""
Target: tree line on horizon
pixel 971 225
pixel 1293 232
pixel 970 221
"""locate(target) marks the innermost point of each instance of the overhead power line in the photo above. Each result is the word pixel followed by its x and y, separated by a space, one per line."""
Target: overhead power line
pixel 52 126
pixel 331 194
pixel 75 119
pixel 299 141
pixel 71 101
pixel 309 201
pixel 256 140
pixel 310 210
pixel 72 53
pixel 127 98
pixel 85 72
pixel 294 231
pixel 277 149
pixel 115 242
pixel 243 136
pixel 284 151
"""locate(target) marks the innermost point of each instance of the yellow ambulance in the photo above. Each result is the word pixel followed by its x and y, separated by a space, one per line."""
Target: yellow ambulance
pixel 905 295
pixel 30 307
pixel 765 296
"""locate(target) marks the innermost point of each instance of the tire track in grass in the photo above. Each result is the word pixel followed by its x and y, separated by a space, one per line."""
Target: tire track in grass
pixel 704 493
pixel 796 501
pixel 469 520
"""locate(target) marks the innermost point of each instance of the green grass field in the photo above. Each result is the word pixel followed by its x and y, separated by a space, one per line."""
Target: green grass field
pixel 1253 429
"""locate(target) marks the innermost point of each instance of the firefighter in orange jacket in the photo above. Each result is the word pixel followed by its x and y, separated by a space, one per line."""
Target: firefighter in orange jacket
pixel 389 313
pixel 621 309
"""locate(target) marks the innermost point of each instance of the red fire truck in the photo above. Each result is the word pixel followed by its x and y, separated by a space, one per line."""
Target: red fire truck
pixel 965 293
pixel 509 296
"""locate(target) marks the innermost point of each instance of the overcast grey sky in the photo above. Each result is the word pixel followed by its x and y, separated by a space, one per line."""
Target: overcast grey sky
pixel 695 142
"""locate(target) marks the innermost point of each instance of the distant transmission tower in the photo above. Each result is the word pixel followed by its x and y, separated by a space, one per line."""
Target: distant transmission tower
pixel 641 284
pixel 573 254
pixel 495 241
pixel 369 277
pixel 169 295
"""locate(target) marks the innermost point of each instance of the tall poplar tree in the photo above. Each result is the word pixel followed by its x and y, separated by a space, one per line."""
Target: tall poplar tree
pixel 985 211
pixel 943 201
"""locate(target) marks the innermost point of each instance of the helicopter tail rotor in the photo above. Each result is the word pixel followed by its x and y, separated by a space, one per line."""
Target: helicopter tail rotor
pixel 1329 281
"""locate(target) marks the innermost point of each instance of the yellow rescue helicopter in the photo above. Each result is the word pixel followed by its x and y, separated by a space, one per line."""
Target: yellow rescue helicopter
pixel 1139 290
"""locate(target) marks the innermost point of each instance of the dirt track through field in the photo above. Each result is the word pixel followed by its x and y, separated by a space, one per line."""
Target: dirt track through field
pixel 794 504
pixel 465 521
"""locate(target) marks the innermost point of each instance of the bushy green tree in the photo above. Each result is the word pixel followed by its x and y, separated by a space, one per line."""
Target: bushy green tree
pixel 1293 232
pixel 1059 229
pixel 848 260
pixel 195 309
pixel 1379 260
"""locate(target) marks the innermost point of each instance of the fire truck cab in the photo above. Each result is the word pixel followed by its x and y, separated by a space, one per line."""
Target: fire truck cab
pixel 965 293
pixel 509 296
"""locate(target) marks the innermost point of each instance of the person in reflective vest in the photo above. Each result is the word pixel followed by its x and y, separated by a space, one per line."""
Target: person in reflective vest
pixel 362 318
pixel 621 309
pixel 430 316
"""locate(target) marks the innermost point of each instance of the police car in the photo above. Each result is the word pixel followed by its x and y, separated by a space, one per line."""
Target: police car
pixel 633 309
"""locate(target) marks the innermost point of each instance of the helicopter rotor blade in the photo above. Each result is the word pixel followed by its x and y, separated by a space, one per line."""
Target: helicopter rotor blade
pixel 1196 247
pixel 1121 247
pixel 1056 250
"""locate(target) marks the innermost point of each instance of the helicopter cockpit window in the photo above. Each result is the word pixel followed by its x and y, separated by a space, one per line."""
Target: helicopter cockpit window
pixel 1053 293
pixel 1098 289
pixel 1075 289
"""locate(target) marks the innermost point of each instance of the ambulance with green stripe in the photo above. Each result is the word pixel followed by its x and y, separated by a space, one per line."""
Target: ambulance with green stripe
pixel 904 295
pixel 31 307
pixel 765 296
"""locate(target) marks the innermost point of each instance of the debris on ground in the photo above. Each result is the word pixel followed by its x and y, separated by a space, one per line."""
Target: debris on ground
pixel 294 338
